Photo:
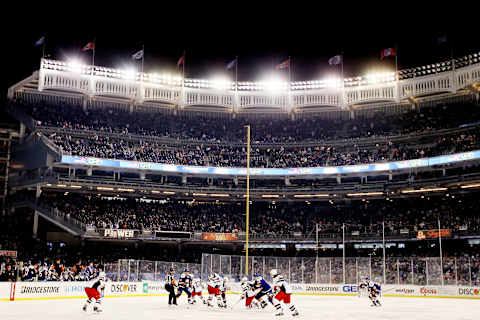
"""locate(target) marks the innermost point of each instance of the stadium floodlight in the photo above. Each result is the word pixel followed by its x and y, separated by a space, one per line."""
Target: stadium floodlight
pixel 75 66
pixel 105 188
pixel 377 77
pixel 360 194
pixel 473 185
pixel 273 85
pixel 129 74
pixel 433 189
pixel 221 83
pixel 332 82
pixel 168 192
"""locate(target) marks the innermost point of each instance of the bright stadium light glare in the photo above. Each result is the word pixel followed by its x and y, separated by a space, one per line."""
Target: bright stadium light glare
pixel 129 74
pixel 220 83
pixel 376 77
pixel 274 85
pixel 332 82
pixel 75 66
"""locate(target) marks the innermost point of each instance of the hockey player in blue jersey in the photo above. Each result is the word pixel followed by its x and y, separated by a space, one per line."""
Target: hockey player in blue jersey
pixel 374 290
pixel 263 289
pixel 185 285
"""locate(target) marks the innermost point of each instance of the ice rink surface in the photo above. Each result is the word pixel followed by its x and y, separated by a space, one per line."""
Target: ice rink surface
pixel 310 307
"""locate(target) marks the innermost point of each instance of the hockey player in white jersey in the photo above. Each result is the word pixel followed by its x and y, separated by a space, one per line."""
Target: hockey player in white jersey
pixel 373 291
pixel 198 287
pixel 248 293
pixel 93 293
pixel 282 293
pixel 223 290
pixel 213 284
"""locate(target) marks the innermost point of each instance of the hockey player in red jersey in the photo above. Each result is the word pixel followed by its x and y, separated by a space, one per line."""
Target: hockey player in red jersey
pixel 281 293
pixel 93 293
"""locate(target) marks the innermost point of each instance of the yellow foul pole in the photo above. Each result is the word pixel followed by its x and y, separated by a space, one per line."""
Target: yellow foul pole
pixel 247 213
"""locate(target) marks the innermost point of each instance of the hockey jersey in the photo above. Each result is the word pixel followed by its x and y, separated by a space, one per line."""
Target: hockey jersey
pixel 185 280
pixel 280 284
pixel 99 285
pixel 260 283
pixel 215 281
pixel 198 285
pixel 247 289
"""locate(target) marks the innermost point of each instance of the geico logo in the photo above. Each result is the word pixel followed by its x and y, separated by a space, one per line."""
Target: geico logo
pixel 39 290
pixel 427 291
pixel 350 289
pixel 468 291
pixel 322 289
pixel 155 288
pixel 405 290
pixel 123 288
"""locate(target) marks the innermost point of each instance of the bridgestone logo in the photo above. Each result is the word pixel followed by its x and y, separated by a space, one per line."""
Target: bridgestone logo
pixel 39 290
pixel 321 289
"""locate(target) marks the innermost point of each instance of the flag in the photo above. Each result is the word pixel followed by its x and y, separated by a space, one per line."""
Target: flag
pixel 40 41
pixel 285 64
pixel 232 64
pixel 333 61
pixel 387 53
pixel 180 61
pixel 138 55
pixel 89 46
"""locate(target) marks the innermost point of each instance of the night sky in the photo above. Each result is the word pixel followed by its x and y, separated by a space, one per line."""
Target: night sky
pixel 261 36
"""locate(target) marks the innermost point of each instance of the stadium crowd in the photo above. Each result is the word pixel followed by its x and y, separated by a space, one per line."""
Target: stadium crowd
pixel 198 127
pixel 261 157
pixel 222 136
pixel 456 212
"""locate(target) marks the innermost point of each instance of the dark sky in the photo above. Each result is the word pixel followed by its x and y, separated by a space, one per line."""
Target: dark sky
pixel 261 36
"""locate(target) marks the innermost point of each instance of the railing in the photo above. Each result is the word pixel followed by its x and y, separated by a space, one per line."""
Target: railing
pixel 447 76
pixel 370 141
pixel 141 270
pixel 54 214
pixel 462 271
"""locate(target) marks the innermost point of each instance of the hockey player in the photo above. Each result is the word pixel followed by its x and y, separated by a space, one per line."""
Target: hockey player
pixel 223 290
pixel 281 293
pixel 213 285
pixel 170 287
pixel 30 272
pixel 248 293
pixel 265 289
pixel 90 271
pixel 197 290
pixel 373 291
pixel 185 285
pixel 93 293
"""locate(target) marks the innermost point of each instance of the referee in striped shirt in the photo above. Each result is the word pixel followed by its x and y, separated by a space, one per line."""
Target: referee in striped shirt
pixel 170 287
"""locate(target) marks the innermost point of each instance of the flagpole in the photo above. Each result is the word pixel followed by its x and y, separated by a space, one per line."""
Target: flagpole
pixel 236 73
pixel 343 89
pixel 143 56
pixel 396 62
pixel 43 47
pixel 93 55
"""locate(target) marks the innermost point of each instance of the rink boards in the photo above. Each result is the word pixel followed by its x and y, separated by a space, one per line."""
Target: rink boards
pixel 74 290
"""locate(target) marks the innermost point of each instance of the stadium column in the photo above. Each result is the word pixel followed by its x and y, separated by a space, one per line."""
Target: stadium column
pixel 35 224
pixel 22 132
